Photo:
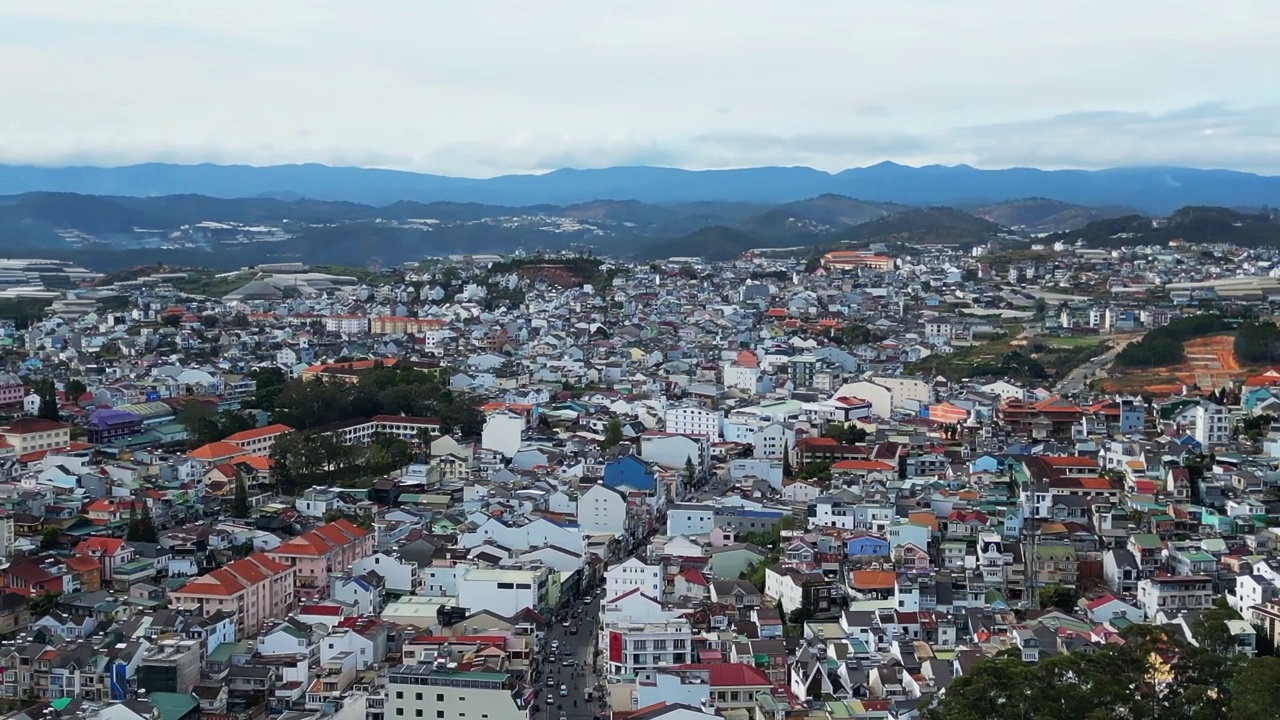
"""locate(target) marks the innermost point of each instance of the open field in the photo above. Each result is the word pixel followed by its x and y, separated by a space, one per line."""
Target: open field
pixel 1210 363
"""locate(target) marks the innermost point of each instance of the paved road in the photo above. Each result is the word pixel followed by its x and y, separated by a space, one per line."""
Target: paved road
pixel 577 679
pixel 1075 380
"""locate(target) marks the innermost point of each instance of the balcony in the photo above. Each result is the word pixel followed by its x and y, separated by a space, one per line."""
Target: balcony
pixel 127 575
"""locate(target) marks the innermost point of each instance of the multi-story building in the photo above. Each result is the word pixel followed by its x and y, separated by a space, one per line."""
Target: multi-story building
pixel 1174 594
pixel 693 420
pixel 630 647
pixel 431 692
pixel 12 391
pixel 257 441
pixel 347 324
pixel 32 434
pixel 1208 423
pixel 506 591
pixel 631 575
pixel 252 589
pixel 332 547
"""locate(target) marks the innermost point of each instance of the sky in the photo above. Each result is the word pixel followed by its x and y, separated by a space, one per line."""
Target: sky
pixel 487 87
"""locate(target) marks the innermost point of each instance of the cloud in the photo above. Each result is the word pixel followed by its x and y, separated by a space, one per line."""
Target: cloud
pixel 482 88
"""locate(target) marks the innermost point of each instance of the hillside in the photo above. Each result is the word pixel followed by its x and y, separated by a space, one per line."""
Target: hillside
pixel 1042 215
pixel 1155 190
pixel 1190 224
pixel 717 242
pixel 938 225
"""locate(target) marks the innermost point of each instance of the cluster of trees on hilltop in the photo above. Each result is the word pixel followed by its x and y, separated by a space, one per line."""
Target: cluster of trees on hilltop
pixel 1153 675
pixel 1257 343
pixel 381 390
pixel 1163 346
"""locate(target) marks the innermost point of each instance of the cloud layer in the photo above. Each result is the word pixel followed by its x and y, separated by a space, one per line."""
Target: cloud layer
pixel 485 87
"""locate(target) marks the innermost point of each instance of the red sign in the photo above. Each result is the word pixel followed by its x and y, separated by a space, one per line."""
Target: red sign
pixel 615 647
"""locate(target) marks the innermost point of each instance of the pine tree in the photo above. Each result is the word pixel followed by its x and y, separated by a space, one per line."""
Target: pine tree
pixel 690 472
pixel 240 504
pixel 612 434
pixel 787 470
pixel 147 525
pixel 48 395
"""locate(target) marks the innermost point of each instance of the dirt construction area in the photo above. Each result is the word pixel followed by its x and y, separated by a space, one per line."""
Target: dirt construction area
pixel 1210 363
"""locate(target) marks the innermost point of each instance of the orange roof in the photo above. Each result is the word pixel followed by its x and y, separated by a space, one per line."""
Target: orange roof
pixel 215 451
pixel 82 563
pixel 776 312
pixel 861 465
pixel 234 577
pixel 871 579
pixel 321 540
pixel 100 545
pixel 257 462
pixel 254 434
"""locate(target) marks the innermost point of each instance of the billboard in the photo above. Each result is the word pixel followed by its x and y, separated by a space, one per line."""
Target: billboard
pixel 615 647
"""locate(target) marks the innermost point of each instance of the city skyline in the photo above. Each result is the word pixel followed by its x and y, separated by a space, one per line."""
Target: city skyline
pixel 481 90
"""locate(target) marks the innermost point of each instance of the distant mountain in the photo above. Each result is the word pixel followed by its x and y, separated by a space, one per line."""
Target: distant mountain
pixel 1155 190
pixel 923 226
pixel 710 243
pixel 1042 215
pixel 1190 224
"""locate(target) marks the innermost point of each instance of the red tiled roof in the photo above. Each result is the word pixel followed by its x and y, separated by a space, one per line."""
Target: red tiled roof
pixel 730 674
pixel 256 433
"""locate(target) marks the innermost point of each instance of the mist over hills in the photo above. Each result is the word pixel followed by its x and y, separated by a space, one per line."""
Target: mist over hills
pixel 1153 190
pixel 110 231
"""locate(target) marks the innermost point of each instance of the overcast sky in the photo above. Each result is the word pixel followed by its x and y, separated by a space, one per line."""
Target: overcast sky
pixel 485 87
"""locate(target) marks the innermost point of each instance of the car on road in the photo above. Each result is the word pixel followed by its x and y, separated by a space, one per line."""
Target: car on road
pixel 551 682
pixel 569 663
pixel 587 600
pixel 565 624
pixel 555 645
pixel 551 700
pixel 563 716
pixel 564 690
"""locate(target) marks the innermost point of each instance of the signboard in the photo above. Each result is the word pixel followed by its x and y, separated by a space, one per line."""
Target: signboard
pixel 615 647
pixel 152 396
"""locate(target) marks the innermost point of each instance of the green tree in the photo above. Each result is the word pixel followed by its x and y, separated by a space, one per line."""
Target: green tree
pixel 50 537
pixel 424 439
pixel 612 434
pixel 172 320
pixel 48 394
pixel 690 472
pixel 74 389
pixel 787 470
pixel 44 603
pixel 240 502
pixel 142 528
pixel 332 515
pixel 1255 690
pixel 1057 596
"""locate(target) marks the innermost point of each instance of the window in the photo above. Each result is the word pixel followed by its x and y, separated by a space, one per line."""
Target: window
pixel 400 695
pixel 439 697
pixel 399 711
pixel 416 696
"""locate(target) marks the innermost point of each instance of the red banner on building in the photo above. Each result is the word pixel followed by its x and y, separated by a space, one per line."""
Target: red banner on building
pixel 615 646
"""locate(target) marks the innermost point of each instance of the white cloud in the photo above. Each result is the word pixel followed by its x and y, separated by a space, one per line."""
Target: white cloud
pixel 482 87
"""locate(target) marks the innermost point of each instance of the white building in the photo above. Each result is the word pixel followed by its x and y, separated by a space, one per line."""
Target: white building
pixel 506 591
pixel 601 510
pixel 400 575
pixel 413 691
pixel 770 441
pixel 347 324
pixel 1174 594
pixel 879 396
pixel 633 575
pixel 909 393
pixel 1208 423
pixel 631 647
pixel 673 451
pixel 502 433
pixel 690 519
pixel 693 420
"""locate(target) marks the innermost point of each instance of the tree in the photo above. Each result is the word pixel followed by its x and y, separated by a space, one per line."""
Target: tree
pixel 331 515
pixel 612 434
pixel 424 438
pixel 787 470
pixel 1255 690
pixel 172 320
pixel 690 472
pixel 141 527
pixel 48 395
pixel 74 389
pixel 50 537
pixel 44 603
pixel 1057 596
pixel 240 503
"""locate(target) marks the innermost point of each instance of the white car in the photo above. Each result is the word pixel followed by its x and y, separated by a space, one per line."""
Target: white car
pixel 563 691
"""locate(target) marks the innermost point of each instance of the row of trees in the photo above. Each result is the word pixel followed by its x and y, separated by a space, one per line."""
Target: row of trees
pixel 382 390
pixel 1257 343
pixel 1163 346
pixel 1152 675
pixel 305 459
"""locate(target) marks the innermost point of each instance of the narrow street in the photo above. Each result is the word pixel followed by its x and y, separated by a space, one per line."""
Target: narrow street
pixel 578 678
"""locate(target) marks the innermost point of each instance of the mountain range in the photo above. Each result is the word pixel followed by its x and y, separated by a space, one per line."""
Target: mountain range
pixel 1152 190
